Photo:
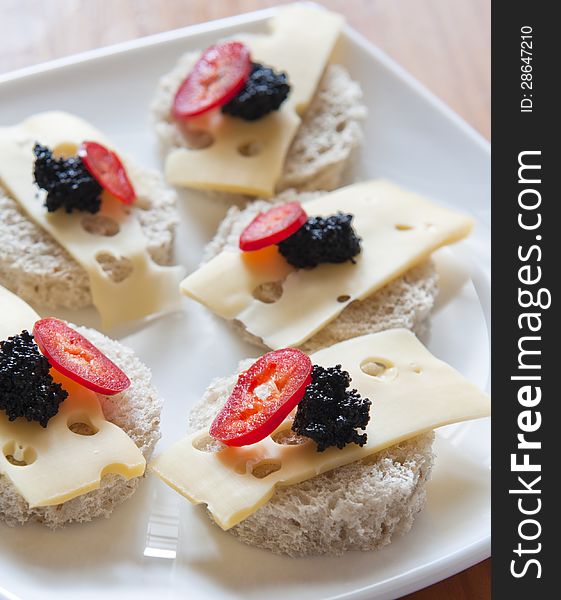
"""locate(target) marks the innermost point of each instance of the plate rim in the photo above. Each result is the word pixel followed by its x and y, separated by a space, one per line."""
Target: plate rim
pixel 249 17
pixel 426 574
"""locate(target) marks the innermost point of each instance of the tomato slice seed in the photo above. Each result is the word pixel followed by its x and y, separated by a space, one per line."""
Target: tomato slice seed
pixel 218 75
pixel 106 167
pixel 273 226
pixel 71 354
pixel 263 397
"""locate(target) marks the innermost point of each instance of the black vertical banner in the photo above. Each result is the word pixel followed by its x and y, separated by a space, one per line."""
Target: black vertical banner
pixel 526 388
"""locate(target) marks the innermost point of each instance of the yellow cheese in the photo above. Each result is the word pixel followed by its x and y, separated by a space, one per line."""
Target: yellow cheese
pixel 15 315
pixel 411 391
pixel 225 284
pixel 300 43
pixel 398 230
pixel 149 288
pixel 51 465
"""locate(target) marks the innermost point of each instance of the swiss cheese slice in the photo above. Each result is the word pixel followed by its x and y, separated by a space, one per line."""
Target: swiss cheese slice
pixel 51 465
pixel 15 315
pixel 412 392
pixel 149 288
pixel 248 156
pixel 398 229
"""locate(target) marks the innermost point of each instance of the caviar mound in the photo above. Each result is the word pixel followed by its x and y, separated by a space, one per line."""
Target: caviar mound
pixel 322 240
pixel 68 183
pixel 263 92
pixel 330 414
pixel 26 386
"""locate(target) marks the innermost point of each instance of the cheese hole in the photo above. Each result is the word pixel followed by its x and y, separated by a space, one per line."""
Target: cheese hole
pixel 116 268
pixel 250 149
pixel 265 468
pixel 416 369
pixel 19 455
pixel 241 468
pixel 198 139
pixel 343 298
pixel 268 292
pixel 83 427
pixel 402 227
pixel 206 443
pixel 380 368
pixel 287 437
pixel 100 225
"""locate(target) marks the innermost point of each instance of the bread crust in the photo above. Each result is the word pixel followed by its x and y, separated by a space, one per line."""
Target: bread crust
pixel 360 506
pixel 136 411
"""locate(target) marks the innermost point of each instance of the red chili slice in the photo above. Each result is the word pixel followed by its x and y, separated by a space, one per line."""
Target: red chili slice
pixel 273 226
pixel 73 355
pixel 263 397
pixel 106 167
pixel 216 78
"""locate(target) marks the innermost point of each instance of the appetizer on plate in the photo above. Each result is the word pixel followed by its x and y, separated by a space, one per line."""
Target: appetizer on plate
pixel 260 113
pixel 321 454
pixel 79 418
pixel 338 265
pixel 82 225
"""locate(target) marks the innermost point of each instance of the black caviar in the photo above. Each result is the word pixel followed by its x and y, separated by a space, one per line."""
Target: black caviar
pixel 67 181
pixel 329 413
pixel 26 386
pixel 263 92
pixel 322 240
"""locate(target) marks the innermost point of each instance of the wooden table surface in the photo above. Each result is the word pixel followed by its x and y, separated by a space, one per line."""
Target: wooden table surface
pixel 443 43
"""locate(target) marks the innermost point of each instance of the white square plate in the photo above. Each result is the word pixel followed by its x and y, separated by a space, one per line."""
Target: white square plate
pixel 410 137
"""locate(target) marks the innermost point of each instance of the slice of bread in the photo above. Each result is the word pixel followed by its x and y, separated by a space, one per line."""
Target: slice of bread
pixel 39 270
pixel 360 506
pixel 136 411
pixel 405 302
pixel 330 130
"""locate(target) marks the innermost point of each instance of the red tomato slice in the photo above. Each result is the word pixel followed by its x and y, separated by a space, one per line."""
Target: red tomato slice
pixel 216 78
pixel 108 170
pixel 273 226
pixel 73 355
pixel 263 397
